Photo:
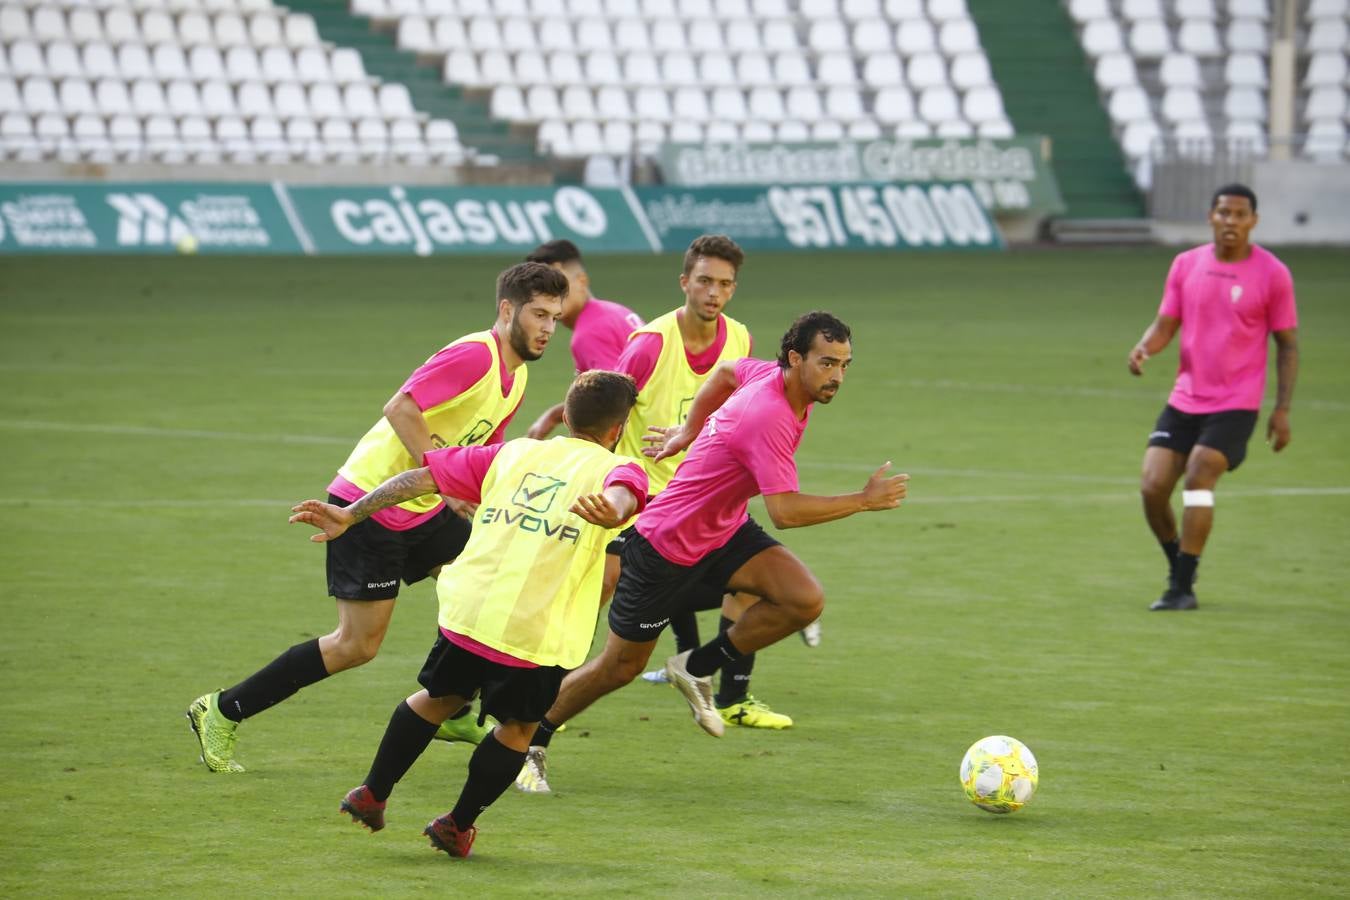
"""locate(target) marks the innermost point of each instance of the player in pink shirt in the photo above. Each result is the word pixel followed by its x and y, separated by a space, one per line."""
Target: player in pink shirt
pixel 1227 298
pixel 748 419
pixel 600 328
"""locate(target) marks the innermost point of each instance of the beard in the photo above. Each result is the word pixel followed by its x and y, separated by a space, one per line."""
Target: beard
pixel 520 342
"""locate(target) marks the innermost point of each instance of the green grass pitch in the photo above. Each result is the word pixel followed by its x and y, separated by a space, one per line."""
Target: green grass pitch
pixel 159 416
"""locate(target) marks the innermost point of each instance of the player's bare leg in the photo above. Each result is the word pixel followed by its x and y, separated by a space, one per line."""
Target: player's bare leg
pixel 790 598
pixel 362 625
pixel 1162 471
pixel 1204 467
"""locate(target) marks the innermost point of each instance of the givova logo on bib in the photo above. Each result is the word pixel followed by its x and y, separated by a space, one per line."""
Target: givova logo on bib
pixel 536 492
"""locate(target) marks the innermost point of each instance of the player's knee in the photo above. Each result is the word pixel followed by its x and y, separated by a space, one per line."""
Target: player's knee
pixel 624 670
pixel 805 602
pixel 351 650
pixel 1154 489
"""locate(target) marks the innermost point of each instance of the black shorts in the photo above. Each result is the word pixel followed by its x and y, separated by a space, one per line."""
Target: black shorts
pixel 368 561
pixel 615 546
pixel 1227 431
pixel 651 588
pixel 510 693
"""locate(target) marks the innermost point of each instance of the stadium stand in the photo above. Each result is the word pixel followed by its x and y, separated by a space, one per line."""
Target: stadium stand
pixel 1195 72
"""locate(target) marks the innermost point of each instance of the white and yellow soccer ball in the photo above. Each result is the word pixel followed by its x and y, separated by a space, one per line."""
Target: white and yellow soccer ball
pixel 999 774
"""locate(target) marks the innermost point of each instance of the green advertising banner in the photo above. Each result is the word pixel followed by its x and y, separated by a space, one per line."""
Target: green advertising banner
pixel 162 217
pixel 434 220
pixel 1010 176
pixel 825 216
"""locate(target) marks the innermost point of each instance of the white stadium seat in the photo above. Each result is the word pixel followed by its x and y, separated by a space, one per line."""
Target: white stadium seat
pixel 1199 37
pixel 1245 70
pixel 1114 70
pixel 983 104
pixel 1179 70
pixel 652 104
pixel 99 61
pixel 1102 36
pixel 1182 105
pixel 1150 39
pixel 766 104
pixel 63 60
pixel 1245 103
pixel 883 70
pixel 1325 70
pixel 715 70
pixel 803 103
pixel 893 105
pixel 1128 104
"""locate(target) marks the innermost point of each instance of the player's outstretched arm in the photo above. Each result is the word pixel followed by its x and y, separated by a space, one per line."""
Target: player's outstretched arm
pixel 333 521
pixel 664 442
pixel 792 510
pixel 608 509
pixel 1156 337
pixel 548 420
pixel 1278 432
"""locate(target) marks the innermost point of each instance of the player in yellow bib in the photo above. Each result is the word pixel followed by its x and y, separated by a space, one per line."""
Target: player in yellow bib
pixel 463 396
pixel 518 607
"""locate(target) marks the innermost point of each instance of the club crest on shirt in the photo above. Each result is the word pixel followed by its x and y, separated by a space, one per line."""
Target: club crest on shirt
pixel 1235 293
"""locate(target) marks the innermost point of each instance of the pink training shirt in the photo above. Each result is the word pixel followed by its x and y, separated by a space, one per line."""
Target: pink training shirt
pixel 745 448
pixel 1227 311
pixel 601 334
pixel 459 472
pixel 451 372
pixel 639 358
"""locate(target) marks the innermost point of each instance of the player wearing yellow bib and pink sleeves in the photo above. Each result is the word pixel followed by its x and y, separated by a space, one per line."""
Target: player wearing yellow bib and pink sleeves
pixel 1228 298
pixel 600 328
pixel 518 607
pixel 748 418
pixel 463 396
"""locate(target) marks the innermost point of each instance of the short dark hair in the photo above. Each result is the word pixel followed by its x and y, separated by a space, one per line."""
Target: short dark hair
pixel 523 280
pixel 560 251
pixel 598 400
pixel 1233 190
pixel 803 332
pixel 717 246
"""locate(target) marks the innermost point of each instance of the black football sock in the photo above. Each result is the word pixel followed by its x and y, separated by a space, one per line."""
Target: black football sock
pixel 684 626
pixel 543 734
pixel 406 736
pixel 735 683
pixel 1185 572
pixel 712 656
pixel 298 667
pixel 1171 549
pixel 492 769
pixel 468 708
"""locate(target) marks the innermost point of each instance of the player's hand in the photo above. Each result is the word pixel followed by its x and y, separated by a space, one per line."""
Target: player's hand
pixel 1136 360
pixel 883 491
pixel 596 509
pixel 665 442
pixel 1277 430
pixel 462 508
pixel 332 521
pixel 541 428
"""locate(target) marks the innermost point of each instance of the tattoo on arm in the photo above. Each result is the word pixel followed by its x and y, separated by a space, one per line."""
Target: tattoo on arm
pixel 399 489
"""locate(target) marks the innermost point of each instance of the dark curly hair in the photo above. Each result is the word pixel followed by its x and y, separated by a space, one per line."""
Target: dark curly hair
pixel 804 331
pixel 716 246
pixel 523 280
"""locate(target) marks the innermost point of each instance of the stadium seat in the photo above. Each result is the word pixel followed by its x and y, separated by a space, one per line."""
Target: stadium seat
pixel 803 103
pixel 25 60
pixel 893 105
pixel 241 65
pixel 99 61
pixel 715 70
pixel 1129 104
pixel 996 128
pixel 218 99
pixel 1137 10
pixel 640 69
pixel 915 36
pixel 754 70
pixel 120 27
pixel 1326 141
pixel 984 104
pixel 792 131
pixel 943 10
pixel 844 104
pixel 565 68
pixel 415 35
pixel 39 96
pixel 448 33
pixel 63 61
pixel 1328 35
pixel 300 31
pixel 836 69
pixel 518 35
pixel 10 101
pixel 230 30
pixel 959 36
pixel 1245 70
pixel 85 26
pixel 954 128
pixel 531 68
pixel 765 104
pixel 779 35
pixel 1328 9
pixel 791 70
pixel 1113 70
pixel 863 130
pixel 1199 37
pixel 827 35
pixel 157 28
pixel 1179 70
pixel 1102 36
pixel 652 104
pixel 254 100
pixel 461 67
pixel 182 99
pixel 168 62
pixel 1247 36
pixel 1150 39
pixel 277 65
pixel 926 70
pixel 495 67
pixel 939 104
pixel 14 25
pixel 1195 9
pixel 1181 105
pixel 1246 137
pixel 578 102
pixel 587 139
pixel 1326 70
pixel 1323 103
pixel 75 97
pixel 1084 11
pixel 1249 9
pixel 112 97
pixel 827 130
pixel 914 128
pixel 612 104
pixel 346 66
pixel 617 138
pixel 872 36
pixel 1245 103
pixel 884 70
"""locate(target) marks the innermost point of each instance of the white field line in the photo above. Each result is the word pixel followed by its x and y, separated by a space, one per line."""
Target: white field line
pixel 285 505
pixel 183 433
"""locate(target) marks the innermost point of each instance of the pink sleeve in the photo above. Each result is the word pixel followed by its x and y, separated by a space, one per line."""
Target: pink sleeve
pixel 765 447
pixel 633 477
pixel 1281 315
pixel 1171 299
pixel 459 471
pixel 639 358
pixel 449 373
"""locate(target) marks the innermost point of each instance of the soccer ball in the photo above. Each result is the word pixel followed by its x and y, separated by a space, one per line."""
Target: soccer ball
pixel 999 774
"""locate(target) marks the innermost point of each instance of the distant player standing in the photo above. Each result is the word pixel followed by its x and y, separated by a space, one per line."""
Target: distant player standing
pixel 464 395
pixel 748 418
pixel 518 607
pixel 600 328
pixel 1227 298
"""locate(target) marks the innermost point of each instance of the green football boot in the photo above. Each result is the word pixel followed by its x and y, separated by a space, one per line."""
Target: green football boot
pixel 464 730
pixel 752 713
pixel 214 732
